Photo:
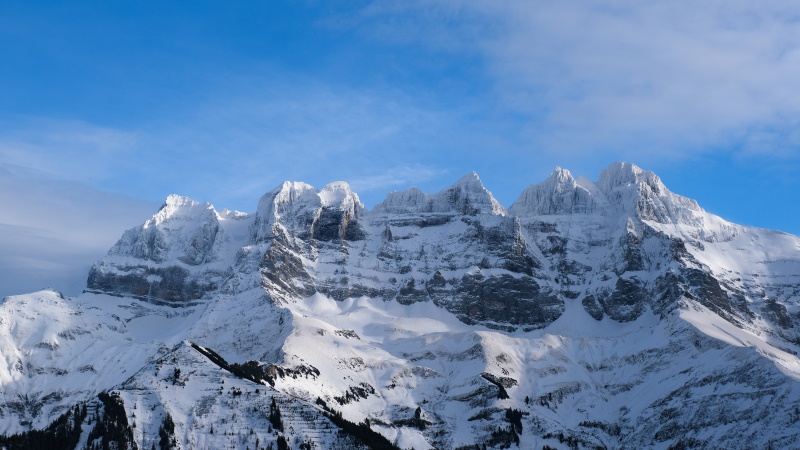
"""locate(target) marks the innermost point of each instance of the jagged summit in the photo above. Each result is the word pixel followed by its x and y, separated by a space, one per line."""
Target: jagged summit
pixel 639 192
pixel 403 202
pixel 294 195
pixel 466 196
pixel 288 200
pixel 620 174
pixel 561 176
pixel 622 190
pixel 339 195
pixel 559 194
pixel 289 193
pixel 178 207
pixel 469 196
pixel 298 209
pixel 175 200
pixel 471 178
pixel 622 186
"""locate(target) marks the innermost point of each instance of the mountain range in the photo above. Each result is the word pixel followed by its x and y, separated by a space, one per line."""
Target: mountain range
pixel 588 314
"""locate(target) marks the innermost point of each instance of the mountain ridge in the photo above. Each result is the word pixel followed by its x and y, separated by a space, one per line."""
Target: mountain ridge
pixel 611 314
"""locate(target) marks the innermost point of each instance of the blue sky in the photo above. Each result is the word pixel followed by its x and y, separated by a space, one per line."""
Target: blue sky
pixel 126 102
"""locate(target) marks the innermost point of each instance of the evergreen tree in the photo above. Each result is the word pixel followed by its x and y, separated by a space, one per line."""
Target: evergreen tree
pixel 282 444
pixel 166 434
pixel 275 416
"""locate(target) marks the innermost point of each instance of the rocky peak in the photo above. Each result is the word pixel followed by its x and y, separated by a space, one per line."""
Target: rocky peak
pixel 619 174
pixel 640 192
pixel 181 208
pixel 179 218
pixel 339 195
pixel 175 200
pixel 402 202
pixel 301 210
pixel 287 202
pixel 290 195
pixel 168 258
pixel 470 179
pixel 337 220
pixel 561 177
pixel 560 193
pixel 466 196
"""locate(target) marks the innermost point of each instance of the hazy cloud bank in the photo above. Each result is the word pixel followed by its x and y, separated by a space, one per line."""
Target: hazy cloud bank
pixel 52 231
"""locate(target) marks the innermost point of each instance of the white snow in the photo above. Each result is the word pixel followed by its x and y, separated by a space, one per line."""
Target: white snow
pixel 400 357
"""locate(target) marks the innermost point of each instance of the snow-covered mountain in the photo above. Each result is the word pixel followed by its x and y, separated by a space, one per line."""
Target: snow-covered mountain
pixel 607 314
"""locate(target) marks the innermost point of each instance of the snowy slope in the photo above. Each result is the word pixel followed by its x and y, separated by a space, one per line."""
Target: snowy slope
pixel 611 314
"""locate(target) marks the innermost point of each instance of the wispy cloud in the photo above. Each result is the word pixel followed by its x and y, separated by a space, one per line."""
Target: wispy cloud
pixel 62 149
pixel 239 142
pixel 291 129
pixel 671 78
pixel 403 176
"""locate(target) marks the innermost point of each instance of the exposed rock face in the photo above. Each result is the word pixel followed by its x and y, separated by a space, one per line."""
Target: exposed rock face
pixel 501 301
pixel 326 242
pixel 172 283
pixel 610 314
pixel 563 239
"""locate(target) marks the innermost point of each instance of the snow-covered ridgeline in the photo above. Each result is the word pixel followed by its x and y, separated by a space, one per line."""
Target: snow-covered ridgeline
pixel 612 313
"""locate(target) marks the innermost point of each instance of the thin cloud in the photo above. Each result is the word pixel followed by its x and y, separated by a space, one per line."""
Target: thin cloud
pixel 62 149
pixel 249 138
pixel 671 77
pixel 403 176
pixel 281 130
